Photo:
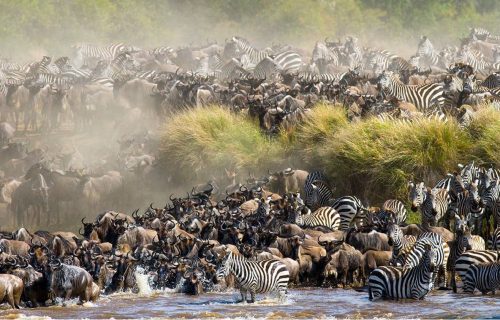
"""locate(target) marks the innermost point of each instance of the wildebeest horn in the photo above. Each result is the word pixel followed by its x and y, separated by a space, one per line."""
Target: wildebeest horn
pixel 83 220
pixel 80 231
pixel 151 206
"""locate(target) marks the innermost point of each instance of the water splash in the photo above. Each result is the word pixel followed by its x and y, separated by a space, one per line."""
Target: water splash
pixel 142 281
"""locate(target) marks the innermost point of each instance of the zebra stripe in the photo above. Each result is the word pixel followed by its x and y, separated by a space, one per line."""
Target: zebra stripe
pixel 86 51
pixel 399 283
pixel 324 216
pixel 422 96
pixel 256 276
pixel 316 194
pixel 485 278
pixel 428 56
pixel 453 184
pixel 289 61
pixel 349 208
pixel 254 55
pixel 473 257
pixel 433 204
pixel 401 244
pixel 491 201
pixel 397 210
pixel 494 243
pixel 440 247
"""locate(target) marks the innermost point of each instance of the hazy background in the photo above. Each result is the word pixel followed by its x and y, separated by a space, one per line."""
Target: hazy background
pixel 29 28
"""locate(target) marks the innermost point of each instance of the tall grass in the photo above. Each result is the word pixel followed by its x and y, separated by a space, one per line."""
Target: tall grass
pixel 201 143
pixel 375 159
pixel 372 159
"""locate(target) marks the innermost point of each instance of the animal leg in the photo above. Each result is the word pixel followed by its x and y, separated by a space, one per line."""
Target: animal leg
pixel 10 299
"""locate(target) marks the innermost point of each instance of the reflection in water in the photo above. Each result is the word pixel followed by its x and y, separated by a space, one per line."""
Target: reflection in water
pixel 301 303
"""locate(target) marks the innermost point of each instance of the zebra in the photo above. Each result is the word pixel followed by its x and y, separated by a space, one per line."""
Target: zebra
pixel 324 54
pixel 314 196
pixel 462 243
pixel 266 69
pixel 474 58
pixel 470 172
pixel 86 52
pixel 401 244
pixel 472 257
pixel 428 56
pixel 396 209
pixel 400 283
pixel 324 216
pixel 441 248
pixel 484 277
pixel 494 242
pixel 468 204
pixel 255 276
pixel 492 81
pixel 321 195
pixel 433 203
pixel 354 52
pixel 423 97
pixel 254 55
pixel 491 203
pixel 453 183
pixel 349 208
pixel 482 34
pixel 289 61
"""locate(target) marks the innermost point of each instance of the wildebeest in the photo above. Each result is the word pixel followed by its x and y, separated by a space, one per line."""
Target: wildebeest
pixel 11 289
pixel 70 281
pixel 288 180
pixel 32 193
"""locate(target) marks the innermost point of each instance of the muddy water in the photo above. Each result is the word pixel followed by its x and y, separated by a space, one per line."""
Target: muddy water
pixel 300 303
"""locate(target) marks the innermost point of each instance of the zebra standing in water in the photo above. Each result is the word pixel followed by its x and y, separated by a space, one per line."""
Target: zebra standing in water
pixel 462 243
pixel 484 277
pixel 473 257
pixel 399 283
pixel 441 249
pixel 255 276
pixel 424 97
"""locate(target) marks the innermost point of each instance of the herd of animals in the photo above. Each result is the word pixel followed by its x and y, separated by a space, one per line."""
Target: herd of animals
pixel 260 241
pixel 98 85
pixel 259 235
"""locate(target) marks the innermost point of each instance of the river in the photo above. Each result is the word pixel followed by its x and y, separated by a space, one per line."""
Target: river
pixel 300 303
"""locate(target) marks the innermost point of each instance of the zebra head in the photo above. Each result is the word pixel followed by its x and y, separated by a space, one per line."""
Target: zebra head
pixel 474 192
pixel 394 234
pixel 417 195
pixel 224 269
pixel 460 224
pixel 430 257
pixel 425 47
